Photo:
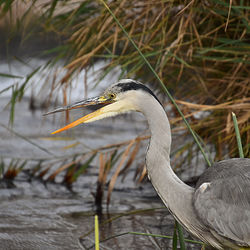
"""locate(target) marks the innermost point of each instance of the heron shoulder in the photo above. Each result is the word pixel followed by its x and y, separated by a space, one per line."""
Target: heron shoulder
pixel 226 169
pixel 224 204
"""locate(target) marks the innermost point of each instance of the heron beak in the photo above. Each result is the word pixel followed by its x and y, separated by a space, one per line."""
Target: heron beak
pixel 80 104
pixel 88 118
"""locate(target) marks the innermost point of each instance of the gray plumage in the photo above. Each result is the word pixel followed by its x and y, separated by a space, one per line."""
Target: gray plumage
pixel 217 211
pixel 222 200
pixel 218 215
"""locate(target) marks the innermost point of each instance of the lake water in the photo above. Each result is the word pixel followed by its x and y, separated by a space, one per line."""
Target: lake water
pixel 35 214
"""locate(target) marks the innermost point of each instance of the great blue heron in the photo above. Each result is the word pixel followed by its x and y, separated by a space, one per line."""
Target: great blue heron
pixel 217 211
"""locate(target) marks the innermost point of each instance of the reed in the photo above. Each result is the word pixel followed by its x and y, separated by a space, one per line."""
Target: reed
pixel 200 51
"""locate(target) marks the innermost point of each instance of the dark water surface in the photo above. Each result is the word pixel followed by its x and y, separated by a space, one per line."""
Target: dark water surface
pixel 43 215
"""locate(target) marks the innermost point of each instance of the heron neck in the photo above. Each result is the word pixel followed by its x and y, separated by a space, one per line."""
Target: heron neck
pixel 174 193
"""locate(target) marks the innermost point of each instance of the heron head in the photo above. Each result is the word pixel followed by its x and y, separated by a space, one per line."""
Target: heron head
pixel 121 97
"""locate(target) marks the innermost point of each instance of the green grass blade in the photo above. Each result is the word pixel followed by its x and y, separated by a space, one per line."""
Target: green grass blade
pixel 175 239
pixel 2 168
pixel 97 243
pixel 237 132
pixel 10 76
pixel 7 88
pixel 116 217
pixel 17 94
pixel 160 81
pixel 7 5
pixel 52 8
pixel 166 237
pixel 129 213
pixel 147 235
pixel 181 237
pixel 168 94
pixel 21 89
pixel 13 103
pixel 83 167
pixel 27 140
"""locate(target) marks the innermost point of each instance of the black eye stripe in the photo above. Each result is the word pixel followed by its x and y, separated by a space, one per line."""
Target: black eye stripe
pixel 134 85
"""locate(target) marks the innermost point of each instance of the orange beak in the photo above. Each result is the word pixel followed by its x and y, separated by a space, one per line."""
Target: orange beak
pixel 87 118
pixel 83 119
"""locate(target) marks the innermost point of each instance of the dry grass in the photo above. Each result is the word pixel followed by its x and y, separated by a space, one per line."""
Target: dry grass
pixel 200 49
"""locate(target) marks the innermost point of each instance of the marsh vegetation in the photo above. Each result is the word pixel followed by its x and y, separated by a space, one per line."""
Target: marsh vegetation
pixel 199 50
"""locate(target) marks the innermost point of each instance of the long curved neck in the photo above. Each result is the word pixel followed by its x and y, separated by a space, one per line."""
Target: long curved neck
pixel 175 194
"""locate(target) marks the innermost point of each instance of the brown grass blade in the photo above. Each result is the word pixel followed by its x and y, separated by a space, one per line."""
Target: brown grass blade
pixel 59 170
pixel 102 160
pixel 235 104
pixel 143 174
pixel 115 175
pixel 45 171
pixel 131 159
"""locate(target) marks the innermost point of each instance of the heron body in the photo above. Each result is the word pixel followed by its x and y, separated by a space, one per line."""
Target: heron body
pixel 217 211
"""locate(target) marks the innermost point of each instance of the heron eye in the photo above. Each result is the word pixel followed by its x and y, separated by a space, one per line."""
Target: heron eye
pixel 112 96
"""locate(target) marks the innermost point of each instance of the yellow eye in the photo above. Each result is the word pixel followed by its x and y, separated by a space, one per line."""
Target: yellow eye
pixel 112 96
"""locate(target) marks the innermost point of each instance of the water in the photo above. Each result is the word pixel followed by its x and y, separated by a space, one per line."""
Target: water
pixel 82 85
pixel 38 216
pixel 35 214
